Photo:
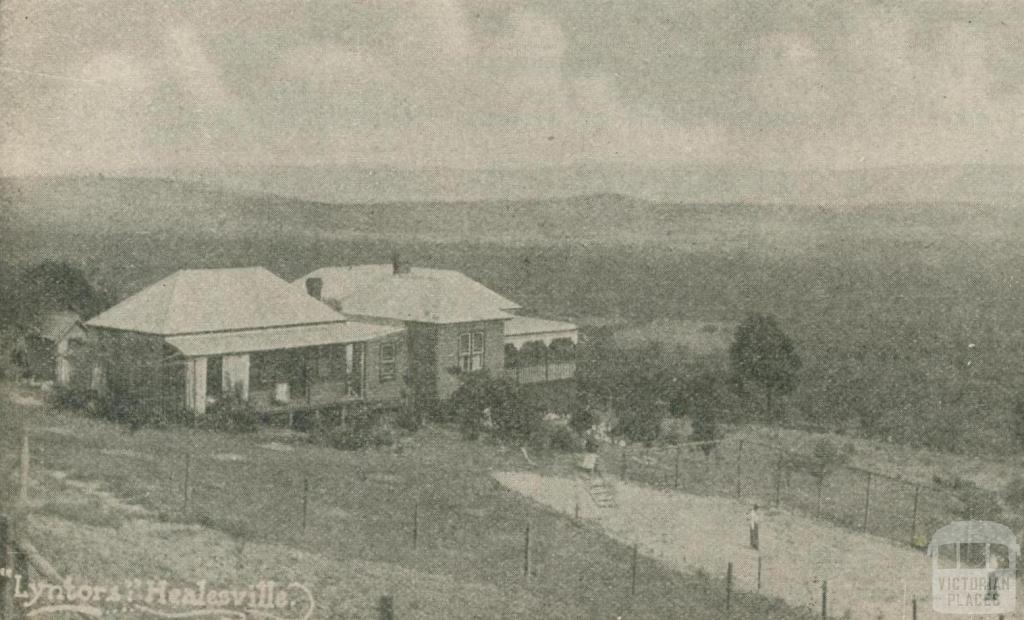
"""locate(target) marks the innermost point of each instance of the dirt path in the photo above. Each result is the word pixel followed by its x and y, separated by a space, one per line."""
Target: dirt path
pixel 866 575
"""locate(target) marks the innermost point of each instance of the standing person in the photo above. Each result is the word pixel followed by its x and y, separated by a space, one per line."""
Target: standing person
pixel 755 522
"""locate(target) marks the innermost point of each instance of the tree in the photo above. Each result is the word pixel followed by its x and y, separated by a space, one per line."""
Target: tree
pixel 764 354
pixel 698 398
pixel 51 286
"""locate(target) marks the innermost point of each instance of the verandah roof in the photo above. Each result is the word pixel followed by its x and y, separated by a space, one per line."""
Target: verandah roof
pixel 290 337
pixel 522 329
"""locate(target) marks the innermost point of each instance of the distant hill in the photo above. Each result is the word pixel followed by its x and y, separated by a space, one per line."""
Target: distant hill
pixel 694 184
pixel 120 204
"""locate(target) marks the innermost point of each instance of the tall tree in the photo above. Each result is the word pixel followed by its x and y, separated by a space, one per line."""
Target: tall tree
pixel 764 354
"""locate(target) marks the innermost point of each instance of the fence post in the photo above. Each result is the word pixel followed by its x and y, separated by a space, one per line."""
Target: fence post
pixel 387 607
pixel 415 524
pixel 188 474
pixel 824 600
pixel 759 571
pixel 675 483
pixel 913 608
pixel 739 470
pixel 23 490
pixel 913 520
pixel 623 463
pixel 305 501
pixel 778 482
pixel 6 568
pixel 526 554
pixel 632 587
pixel 728 588
pixel 867 503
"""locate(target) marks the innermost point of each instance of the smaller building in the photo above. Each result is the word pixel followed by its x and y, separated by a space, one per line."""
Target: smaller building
pixel 201 336
pixel 55 349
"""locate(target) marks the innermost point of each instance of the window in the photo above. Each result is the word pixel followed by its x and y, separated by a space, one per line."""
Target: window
pixel 471 351
pixel 387 361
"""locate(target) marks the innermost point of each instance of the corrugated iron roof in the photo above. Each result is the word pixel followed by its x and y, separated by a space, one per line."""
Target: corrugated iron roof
pixel 275 338
pixel 523 325
pixel 210 300
pixel 426 295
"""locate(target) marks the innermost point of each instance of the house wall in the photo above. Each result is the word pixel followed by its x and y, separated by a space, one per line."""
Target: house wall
pixel 447 352
pixel 40 358
pixel 136 369
pixel 395 388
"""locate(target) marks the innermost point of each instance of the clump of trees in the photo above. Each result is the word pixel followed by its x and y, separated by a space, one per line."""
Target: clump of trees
pixel 763 354
pixel 46 287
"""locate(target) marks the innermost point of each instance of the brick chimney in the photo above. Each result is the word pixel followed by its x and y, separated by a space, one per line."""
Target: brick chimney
pixel 314 286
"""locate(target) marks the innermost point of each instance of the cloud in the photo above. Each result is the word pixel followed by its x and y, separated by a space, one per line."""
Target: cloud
pixel 475 83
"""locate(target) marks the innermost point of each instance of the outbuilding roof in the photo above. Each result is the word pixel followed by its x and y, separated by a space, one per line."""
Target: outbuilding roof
pixel 418 294
pixel 293 337
pixel 55 325
pixel 210 300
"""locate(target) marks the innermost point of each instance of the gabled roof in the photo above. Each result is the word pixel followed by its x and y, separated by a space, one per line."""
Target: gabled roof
pixel 54 326
pixel 211 300
pixel 420 294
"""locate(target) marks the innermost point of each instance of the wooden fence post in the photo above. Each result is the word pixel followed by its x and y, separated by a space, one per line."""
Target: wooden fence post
pixel 913 608
pixel 6 568
pixel 526 554
pixel 305 501
pixel 778 482
pixel 675 483
pixel 913 519
pixel 739 470
pixel 824 600
pixel 23 490
pixel 632 587
pixel 188 491
pixel 867 503
pixel 387 607
pixel 728 588
pixel 415 524
pixel 623 463
pixel 758 571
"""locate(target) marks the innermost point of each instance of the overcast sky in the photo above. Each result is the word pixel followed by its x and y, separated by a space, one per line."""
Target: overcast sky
pixel 143 83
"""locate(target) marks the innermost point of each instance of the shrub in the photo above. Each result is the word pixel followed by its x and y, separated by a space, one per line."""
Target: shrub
pixel 231 414
pixel 494 404
pixel 137 414
pixel 72 398
pixel 640 424
pixel 409 418
pixel 582 419
pixel 564 439
pixel 356 429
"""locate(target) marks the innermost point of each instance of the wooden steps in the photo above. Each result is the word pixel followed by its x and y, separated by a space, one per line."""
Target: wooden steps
pixel 601 493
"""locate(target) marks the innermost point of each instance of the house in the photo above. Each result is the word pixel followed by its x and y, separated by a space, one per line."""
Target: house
pixel 452 324
pixel 54 349
pixel 199 336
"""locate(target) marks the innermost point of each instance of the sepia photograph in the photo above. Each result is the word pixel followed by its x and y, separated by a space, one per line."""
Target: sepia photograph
pixel 570 309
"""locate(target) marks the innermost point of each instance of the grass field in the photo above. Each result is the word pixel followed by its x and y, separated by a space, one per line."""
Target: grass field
pixel 109 504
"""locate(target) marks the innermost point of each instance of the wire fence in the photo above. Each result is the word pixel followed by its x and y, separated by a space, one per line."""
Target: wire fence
pixel 903 511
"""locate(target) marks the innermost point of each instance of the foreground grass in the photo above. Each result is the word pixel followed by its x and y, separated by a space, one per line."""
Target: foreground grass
pixel 358 542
